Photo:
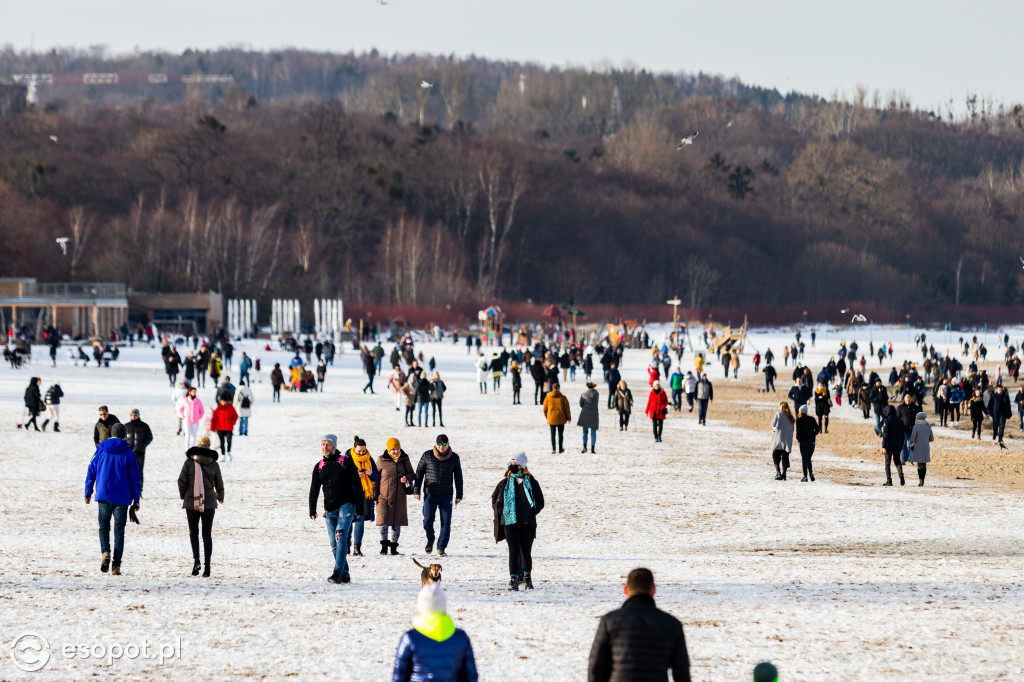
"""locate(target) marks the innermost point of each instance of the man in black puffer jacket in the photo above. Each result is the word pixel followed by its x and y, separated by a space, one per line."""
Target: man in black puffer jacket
pixel 139 436
pixel 437 469
pixel 337 475
pixel 638 641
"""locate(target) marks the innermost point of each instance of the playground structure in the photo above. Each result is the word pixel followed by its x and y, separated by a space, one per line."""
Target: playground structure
pixel 727 339
pixel 491 321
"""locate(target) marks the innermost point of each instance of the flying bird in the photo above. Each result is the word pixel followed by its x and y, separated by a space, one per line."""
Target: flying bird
pixel 53 139
pixel 382 2
pixel 686 141
pixel 426 85
pixel 729 124
pixel 63 241
pixel 844 311
pixel 859 318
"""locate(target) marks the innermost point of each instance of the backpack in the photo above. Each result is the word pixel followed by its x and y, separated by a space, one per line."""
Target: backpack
pixel 245 403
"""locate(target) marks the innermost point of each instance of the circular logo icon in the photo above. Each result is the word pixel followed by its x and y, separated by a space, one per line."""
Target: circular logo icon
pixel 30 652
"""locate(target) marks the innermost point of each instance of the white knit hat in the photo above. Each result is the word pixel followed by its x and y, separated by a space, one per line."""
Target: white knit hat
pixel 519 459
pixel 431 600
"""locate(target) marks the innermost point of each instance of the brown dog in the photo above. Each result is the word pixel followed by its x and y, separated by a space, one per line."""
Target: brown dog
pixel 430 574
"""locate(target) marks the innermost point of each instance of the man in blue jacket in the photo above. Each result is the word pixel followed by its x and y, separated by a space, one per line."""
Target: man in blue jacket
pixel 434 649
pixel 114 472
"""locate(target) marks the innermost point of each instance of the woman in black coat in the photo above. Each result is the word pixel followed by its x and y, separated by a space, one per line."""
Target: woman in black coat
pixel 822 406
pixel 33 401
pixel 516 501
pixel 201 459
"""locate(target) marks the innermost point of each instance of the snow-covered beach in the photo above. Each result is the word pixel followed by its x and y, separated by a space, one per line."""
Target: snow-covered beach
pixel 831 580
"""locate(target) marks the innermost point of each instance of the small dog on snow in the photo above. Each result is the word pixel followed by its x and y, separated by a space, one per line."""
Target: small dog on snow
pixel 430 574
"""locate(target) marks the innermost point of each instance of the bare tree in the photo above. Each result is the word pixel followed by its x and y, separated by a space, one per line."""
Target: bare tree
pixel 501 209
pixel 700 280
pixel 81 227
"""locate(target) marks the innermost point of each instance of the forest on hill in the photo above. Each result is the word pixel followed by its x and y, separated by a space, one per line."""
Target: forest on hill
pixel 435 180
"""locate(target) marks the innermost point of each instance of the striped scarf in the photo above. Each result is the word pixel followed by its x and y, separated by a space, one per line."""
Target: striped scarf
pixel 198 490
pixel 509 509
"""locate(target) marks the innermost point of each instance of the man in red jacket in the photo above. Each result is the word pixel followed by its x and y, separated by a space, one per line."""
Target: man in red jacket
pixel 223 422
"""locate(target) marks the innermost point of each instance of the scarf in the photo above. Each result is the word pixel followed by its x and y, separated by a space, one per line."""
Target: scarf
pixel 364 463
pixel 446 457
pixel 198 489
pixel 509 510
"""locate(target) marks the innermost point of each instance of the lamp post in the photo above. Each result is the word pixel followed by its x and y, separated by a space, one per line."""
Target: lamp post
pixel 908 327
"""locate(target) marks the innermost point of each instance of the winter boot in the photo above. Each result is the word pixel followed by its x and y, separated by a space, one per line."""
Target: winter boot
pixel 346 578
pixel 115 570
pixel 430 547
pixel 206 571
pixel 592 450
pixel 584 450
pixel 903 481
pixel 45 422
pixel 358 549
pixel 528 581
pixel 888 483
pixel 195 567
pixel 811 474
pixel 56 427
pixel 803 480
pixel 513 583
pixel 784 474
pixel 778 472
pixel 105 563
pixel 384 546
pixel 394 548
pixel 335 578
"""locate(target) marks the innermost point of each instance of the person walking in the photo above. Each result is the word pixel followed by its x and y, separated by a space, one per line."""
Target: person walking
pixel 244 366
pixel 705 395
pixel 104 425
pixel 409 395
pixel 638 641
pixel 676 383
pixel 138 435
pixel 114 472
pixel 52 401
pixel 337 476
pixel 588 418
pixel 34 403
pixel 434 649
pixel 437 391
pixel 438 479
pixel 517 382
pixel 822 406
pixel 396 482
pixel 321 375
pixel 807 431
pixel 191 411
pixel 482 372
pixel 920 448
pixel 370 367
pixel 782 440
pixel 657 409
pixel 201 489
pixel 243 402
pixel 976 409
pixel 223 422
pixel 1000 409
pixel 769 378
pixel 556 410
pixel 365 506
pixel 516 501
pixel 395 382
pixel 623 404
pixel 277 381
pixel 612 378
pixel 422 387
pixel 893 442
pixel 538 374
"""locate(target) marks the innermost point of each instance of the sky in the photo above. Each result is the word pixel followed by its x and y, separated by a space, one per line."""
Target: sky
pixel 932 51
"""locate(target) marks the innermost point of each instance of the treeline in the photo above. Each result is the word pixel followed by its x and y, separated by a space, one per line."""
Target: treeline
pixel 322 174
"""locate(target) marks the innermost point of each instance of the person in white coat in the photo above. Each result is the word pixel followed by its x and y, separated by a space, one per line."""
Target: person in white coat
pixel 782 439
pixel 482 372
pixel 243 405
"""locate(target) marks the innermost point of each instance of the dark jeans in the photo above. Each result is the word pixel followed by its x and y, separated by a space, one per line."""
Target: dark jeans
pixel 435 412
pixel 369 384
pixel 677 398
pixel 624 419
pixel 225 442
pixel 975 428
pixel 611 393
pixel 560 429
pixel 806 450
pixel 659 426
pixel 538 390
pixel 998 428
pixel 702 411
pixel 780 457
pixel 769 384
pixel 120 514
pixel 141 459
pixel 690 397
pixel 520 549
pixel 339 523
pixel 432 504
pixel 409 411
pixel 193 533
pixel 893 457
pixel 277 394
pixel 823 423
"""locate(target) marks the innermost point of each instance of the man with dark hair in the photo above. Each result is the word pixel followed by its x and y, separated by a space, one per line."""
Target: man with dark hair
pixel 138 435
pixel 638 641
pixel 114 473
pixel 101 431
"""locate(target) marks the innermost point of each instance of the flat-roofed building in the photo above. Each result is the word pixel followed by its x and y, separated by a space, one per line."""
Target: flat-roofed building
pixel 81 309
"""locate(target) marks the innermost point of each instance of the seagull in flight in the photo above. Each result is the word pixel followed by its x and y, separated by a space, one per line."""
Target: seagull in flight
pixel 382 2
pixel 686 141
pixel 426 85
pixel 859 318
pixel 63 241
pixel 53 139
pixel 844 311
pixel 729 124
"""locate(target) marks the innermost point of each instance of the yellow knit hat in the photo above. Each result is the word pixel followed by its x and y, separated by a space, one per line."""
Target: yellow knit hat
pixel 393 443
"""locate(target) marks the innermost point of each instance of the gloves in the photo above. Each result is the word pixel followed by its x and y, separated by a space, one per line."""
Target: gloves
pixel 132 516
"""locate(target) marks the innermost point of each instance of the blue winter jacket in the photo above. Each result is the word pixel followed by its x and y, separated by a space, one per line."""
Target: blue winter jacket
pixel 434 650
pixel 115 473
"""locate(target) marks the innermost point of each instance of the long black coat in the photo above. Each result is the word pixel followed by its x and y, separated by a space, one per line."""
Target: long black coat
pixel 638 642
pixel 526 517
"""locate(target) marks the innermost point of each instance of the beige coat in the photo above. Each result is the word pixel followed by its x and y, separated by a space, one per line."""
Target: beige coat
pixel 392 509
